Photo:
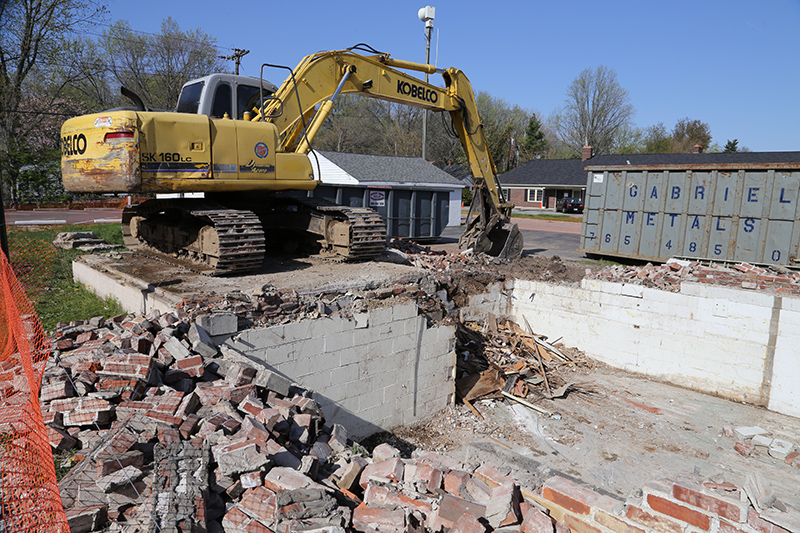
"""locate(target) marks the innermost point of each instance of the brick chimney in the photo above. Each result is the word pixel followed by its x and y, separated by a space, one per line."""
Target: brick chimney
pixel 586 153
pixel 698 149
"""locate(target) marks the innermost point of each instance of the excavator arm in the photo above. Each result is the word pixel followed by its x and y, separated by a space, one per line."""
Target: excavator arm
pixel 305 100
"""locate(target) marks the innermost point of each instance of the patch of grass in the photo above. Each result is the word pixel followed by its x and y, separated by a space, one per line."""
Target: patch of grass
pixel 599 263
pixel 64 461
pixel 46 272
pixel 560 218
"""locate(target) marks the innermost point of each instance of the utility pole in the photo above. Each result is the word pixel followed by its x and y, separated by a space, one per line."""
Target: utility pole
pixel 237 56
pixel 426 15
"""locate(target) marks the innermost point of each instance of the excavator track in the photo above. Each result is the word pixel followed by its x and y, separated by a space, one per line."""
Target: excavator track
pixel 367 233
pixel 203 237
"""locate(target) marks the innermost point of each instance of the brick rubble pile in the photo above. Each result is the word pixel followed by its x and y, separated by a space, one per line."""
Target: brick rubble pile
pixel 201 438
pixel 670 275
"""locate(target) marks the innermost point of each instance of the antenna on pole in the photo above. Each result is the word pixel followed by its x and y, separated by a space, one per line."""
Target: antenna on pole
pixel 237 56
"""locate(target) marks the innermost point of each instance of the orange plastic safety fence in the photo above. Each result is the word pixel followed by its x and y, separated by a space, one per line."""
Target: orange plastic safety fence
pixel 29 497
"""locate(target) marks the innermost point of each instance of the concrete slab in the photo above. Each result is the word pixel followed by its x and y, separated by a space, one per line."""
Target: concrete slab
pixel 612 439
pixel 141 283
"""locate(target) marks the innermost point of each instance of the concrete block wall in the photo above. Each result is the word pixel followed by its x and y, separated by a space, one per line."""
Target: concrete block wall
pixel 734 343
pixel 381 371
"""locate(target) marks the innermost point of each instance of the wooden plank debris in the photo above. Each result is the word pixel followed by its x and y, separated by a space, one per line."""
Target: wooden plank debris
pixel 497 358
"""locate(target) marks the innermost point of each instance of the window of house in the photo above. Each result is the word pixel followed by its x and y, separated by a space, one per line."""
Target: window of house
pixel 535 195
pixel 506 194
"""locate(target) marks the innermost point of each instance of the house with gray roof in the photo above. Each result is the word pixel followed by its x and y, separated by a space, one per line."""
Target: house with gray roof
pixel 415 198
pixel 540 182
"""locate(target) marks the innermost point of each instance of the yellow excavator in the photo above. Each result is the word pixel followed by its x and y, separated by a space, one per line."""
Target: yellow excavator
pixel 241 141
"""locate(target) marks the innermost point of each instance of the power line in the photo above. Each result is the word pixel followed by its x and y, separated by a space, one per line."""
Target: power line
pixel 160 35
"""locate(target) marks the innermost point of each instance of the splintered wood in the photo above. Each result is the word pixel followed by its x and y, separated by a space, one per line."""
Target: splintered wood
pixel 497 358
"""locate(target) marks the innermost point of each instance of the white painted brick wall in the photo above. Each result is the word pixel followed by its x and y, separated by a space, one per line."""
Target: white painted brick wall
pixel 713 339
pixel 369 378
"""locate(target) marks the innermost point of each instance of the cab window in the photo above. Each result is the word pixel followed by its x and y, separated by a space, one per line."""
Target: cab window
pixel 222 101
pixel 189 100
pixel 246 99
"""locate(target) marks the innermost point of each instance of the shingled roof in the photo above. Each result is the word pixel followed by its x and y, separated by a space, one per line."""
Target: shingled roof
pixel 547 172
pixel 389 169
pixel 572 172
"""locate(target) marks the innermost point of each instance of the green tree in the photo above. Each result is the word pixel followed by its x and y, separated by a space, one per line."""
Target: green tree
pixel 596 107
pixel 35 36
pixel 687 133
pixel 657 140
pixel 731 146
pixel 535 144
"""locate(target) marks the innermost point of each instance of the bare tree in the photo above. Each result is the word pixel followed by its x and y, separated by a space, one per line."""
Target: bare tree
pixel 35 35
pixel 156 66
pixel 596 109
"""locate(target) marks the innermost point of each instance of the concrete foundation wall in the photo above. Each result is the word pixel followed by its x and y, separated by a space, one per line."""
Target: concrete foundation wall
pixel 380 371
pixel 735 343
pixel 133 295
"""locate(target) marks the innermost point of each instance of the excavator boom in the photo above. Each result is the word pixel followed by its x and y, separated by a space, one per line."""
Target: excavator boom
pixel 305 100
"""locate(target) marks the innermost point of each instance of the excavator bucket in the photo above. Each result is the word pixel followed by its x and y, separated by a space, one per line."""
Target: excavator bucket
pixel 502 240
pixel 490 231
pixel 506 241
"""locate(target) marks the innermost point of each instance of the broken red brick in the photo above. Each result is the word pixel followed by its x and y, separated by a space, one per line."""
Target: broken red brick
pixel 536 521
pixel 744 448
pixel 383 520
pixel 390 469
pixel 793 459
pixel 455 482
pixel 650 520
pixel 725 509
pixel 259 503
pixel 574 497
pixel 684 514
pixel 469 524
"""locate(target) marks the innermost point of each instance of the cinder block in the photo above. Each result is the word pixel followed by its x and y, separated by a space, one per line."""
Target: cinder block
pixel 404 311
pixel 380 316
pixel 218 323
pixel 404 342
pixel 341 340
pixel 358 387
pixel 322 327
pixel 296 331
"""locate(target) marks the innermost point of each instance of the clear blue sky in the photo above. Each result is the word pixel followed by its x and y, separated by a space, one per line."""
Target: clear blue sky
pixel 734 64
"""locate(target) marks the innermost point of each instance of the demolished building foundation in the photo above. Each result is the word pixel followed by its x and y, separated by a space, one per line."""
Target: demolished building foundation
pixel 272 402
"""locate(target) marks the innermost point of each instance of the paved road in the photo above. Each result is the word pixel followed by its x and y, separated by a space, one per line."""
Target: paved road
pixel 41 217
pixel 541 237
pixel 556 238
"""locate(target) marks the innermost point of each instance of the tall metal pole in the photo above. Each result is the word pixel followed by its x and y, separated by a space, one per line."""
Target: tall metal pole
pixel 426 15
pixel 428 30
